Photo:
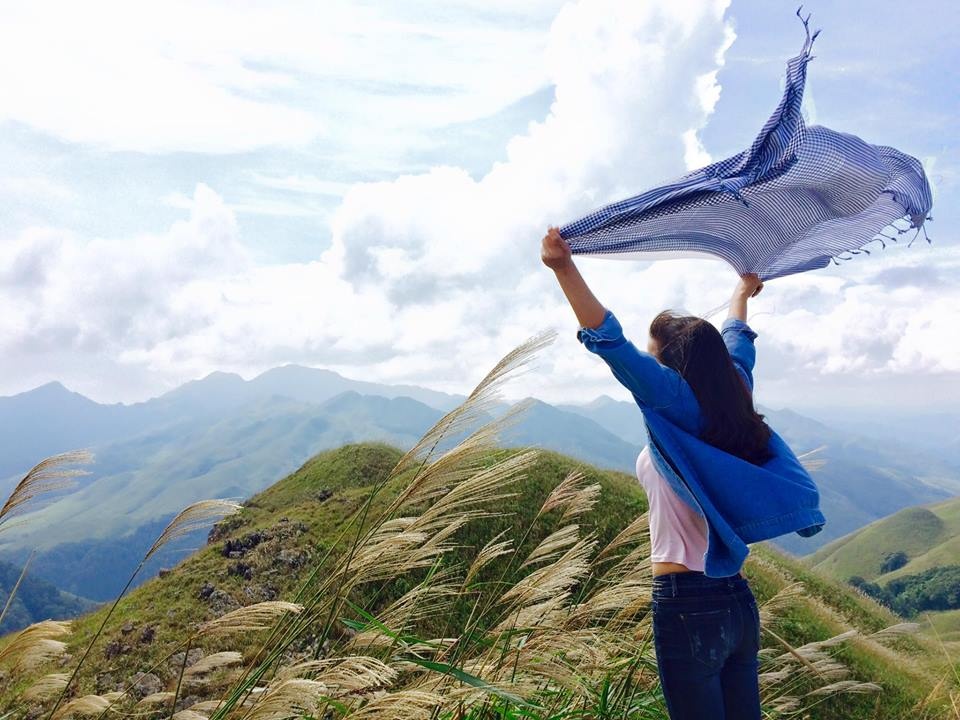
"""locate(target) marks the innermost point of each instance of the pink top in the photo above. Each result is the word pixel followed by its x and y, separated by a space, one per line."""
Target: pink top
pixel 677 533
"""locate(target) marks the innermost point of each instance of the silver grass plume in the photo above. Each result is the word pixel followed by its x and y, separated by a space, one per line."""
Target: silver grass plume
pixel 260 616
pixel 895 631
pixel 208 664
pixel 810 462
pixel 636 531
pixel 635 562
pixel 608 603
pixel 35 645
pixel 573 495
pixel 550 612
pixel 846 686
pixel 829 642
pixel 46 687
pixel 427 599
pixel 554 580
pixel 488 553
pixel 401 705
pixel 551 546
pixel 786 704
pixel 193 517
pixel 784 599
pixel 483 397
pixel 404 544
pixel 88 705
pixel 293 697
pixel 343 675
pixel 456 464
pixel 45 477
pixel 480 489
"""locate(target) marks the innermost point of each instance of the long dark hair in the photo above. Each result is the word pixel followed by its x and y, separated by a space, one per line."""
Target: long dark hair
pixel 694 348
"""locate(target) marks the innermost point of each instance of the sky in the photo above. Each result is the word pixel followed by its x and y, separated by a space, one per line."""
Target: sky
pixel 363 186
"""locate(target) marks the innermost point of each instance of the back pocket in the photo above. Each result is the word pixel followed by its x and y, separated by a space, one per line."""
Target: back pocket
pixel 710 634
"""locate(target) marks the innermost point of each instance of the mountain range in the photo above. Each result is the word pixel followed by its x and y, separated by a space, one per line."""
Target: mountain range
pixel 223 436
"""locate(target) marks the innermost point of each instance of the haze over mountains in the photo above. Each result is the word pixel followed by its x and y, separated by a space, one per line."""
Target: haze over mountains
pixel 223 436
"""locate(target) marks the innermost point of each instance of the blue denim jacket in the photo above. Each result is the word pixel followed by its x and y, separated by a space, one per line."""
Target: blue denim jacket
pixel 741 502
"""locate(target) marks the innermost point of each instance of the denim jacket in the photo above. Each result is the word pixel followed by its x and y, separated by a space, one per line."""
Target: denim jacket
pixel 741 502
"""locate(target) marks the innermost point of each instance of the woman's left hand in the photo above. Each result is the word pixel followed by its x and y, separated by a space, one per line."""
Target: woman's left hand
pixel 749 286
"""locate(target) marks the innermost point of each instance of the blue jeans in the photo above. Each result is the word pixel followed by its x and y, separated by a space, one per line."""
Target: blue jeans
pixel 706 633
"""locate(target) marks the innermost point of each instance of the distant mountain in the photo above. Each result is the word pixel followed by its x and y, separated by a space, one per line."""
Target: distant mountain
pixel 313 385
pixel 935 432
pixel 35 600
pixel 223 436
pixel 160 471
pixel 574 434
pixel 862 479
pixel 623 419
pixel 52 419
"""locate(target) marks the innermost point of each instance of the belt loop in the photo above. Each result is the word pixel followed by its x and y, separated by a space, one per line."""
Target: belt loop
pixel 673 584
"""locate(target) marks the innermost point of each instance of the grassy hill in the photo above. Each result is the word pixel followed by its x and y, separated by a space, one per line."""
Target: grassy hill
pixel 929 535
pixel 288 543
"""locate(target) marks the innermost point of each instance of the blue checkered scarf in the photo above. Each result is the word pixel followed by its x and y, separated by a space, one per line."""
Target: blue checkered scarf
pixel 796 199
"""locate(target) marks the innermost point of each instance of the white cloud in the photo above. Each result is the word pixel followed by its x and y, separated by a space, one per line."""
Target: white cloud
pixel 222 77
pixel 625 96
pixel 65 295
pixel 874 317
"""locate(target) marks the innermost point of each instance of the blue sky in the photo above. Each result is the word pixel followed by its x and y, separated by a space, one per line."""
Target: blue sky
pixel 363 186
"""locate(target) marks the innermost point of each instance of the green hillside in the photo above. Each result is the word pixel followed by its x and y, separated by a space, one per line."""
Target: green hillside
pixel 291 538
pixel 929 536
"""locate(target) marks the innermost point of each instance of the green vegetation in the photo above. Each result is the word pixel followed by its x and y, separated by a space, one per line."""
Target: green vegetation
pixel 934 589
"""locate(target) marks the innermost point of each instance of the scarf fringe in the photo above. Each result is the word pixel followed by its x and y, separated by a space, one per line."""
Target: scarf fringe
pixel 881 238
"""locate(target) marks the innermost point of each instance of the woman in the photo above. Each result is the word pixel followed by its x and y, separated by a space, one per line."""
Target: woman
pixel 706 629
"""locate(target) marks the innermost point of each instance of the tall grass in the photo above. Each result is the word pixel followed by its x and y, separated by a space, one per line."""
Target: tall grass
pixel 558 632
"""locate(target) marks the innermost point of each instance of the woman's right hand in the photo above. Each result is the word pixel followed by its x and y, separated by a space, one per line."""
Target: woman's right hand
pixel 554 250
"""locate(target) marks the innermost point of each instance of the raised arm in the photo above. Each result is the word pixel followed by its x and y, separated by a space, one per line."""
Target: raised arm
pixel 737 335
pixel 748 287
pixel 652 385
pixel 556 255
